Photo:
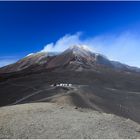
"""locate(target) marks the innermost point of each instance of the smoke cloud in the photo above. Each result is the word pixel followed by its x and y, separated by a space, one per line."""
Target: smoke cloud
pixel 63 43
pixel 123 47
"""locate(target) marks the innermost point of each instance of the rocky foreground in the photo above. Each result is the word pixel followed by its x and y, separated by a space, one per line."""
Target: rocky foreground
pixel 50 120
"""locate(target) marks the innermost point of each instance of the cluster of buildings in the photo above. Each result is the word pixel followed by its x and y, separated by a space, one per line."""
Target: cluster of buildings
pixel 62 85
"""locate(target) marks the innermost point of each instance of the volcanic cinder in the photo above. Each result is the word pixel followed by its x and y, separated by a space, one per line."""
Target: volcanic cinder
pixel 76 78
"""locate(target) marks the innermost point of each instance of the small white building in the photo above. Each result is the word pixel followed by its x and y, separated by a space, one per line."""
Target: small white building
pixel 62 85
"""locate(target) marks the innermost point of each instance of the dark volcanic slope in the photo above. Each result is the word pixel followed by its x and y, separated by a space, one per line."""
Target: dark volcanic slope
pixel 111 92
pixel 97 83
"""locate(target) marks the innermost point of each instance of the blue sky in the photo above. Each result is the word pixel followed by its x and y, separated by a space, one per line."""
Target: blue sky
pixel 111 28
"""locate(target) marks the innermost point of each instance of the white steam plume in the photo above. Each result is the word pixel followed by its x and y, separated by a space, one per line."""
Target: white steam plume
pixel 123 47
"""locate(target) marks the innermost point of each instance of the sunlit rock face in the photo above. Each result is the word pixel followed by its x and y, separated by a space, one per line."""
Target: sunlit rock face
pixel 74 58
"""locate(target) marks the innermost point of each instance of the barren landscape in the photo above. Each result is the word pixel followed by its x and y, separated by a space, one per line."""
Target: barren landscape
pixel 69 69
pixel 50 120
pixel 76 94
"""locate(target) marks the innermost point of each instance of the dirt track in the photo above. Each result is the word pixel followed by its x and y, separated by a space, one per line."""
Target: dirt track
pixel 48 120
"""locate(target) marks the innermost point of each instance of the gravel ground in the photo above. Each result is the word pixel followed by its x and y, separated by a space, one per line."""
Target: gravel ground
pixel 49 120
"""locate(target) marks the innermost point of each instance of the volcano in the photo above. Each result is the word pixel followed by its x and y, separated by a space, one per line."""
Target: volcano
pixel 97 83
pixel 74 58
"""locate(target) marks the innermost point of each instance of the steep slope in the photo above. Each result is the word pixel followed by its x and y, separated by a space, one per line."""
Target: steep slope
pixel 30 60
pixel 77 58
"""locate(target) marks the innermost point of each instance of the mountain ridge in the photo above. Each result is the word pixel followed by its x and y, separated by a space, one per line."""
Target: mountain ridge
pixel 75 57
